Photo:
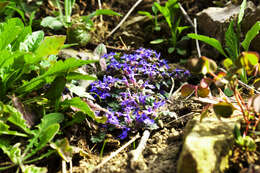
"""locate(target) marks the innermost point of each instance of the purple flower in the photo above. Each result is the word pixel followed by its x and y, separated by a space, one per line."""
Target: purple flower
pixel 123 135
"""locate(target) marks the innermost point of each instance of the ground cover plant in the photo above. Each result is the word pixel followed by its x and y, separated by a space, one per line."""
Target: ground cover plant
pixel 29 63
pixel 47 111
pixel 134 90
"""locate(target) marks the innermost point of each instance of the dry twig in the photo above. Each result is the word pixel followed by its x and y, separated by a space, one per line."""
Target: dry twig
pixel 115 153
pixel 134 162
pixel 126 16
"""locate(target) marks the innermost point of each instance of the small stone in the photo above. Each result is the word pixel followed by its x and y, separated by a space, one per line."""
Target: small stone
pixel 207 145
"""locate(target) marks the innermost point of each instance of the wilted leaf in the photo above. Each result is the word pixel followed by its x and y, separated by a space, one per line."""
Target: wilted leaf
pixel 254 103
pixel 187 90
pixel 64 149
pixel 202 92
pixel 223 109
pixel 205 82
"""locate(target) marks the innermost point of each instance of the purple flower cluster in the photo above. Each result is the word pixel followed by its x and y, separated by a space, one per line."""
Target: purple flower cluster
pixel 131 90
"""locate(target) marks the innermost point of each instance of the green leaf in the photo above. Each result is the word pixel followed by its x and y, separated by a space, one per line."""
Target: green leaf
pixel 32 41
pixel 78 117
pixel 157 41
pixel 58 69
pixel 166 13
pixel 55 91
pixel 33 169
pixel 103 12
pixel 12 151
pixel 47 129
pixel 232 42
pixel 50 119
pixel 211 41
pixel 52 23
pixel 250 35
pixel 146 13
pixel 79 76
pixel 4 130
pixel 241 12
pixel 83 106
pixel 50 45
pixel 9 31
pixel 17 119
pixel 227 63
pixel 47 135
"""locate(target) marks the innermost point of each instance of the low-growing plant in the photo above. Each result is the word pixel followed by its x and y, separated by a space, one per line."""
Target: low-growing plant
pixel 133 90
pixel 28 64
pixel 171 13
pixel 78 27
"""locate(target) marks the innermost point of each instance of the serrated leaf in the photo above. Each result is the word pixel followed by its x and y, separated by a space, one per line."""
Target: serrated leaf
pixel 250 35
pixel 17 119
pixel 223 109
pixel 4 130
pixel 83 106
pixel 211 41
pixel 33 169
pixel 49 124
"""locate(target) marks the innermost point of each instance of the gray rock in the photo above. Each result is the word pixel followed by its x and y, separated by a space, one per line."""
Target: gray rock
pixel 214 22
pixel 207 145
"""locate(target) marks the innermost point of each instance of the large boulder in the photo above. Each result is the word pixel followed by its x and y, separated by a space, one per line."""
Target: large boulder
pixel 214 22
pixel 207 145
